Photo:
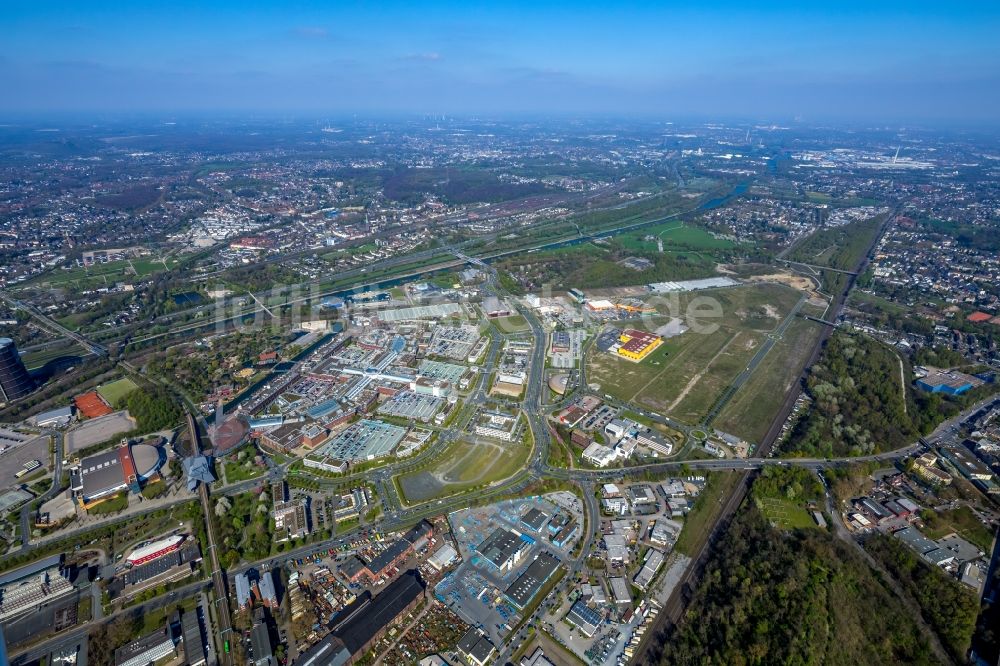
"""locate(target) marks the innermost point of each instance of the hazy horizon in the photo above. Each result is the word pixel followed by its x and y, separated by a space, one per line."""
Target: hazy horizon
pixel 895 63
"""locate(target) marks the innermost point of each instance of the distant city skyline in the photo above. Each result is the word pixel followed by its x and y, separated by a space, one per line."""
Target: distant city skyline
pixel 888 61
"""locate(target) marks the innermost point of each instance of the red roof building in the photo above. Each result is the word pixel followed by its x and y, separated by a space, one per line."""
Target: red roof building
pixel 154 550
pixel 128 467
pixel 979 317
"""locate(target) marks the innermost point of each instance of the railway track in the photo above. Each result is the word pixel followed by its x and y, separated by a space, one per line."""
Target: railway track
pixel 676 604
pixel 222 612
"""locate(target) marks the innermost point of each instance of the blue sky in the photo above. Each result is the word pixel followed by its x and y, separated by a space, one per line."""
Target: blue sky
pixel 876 60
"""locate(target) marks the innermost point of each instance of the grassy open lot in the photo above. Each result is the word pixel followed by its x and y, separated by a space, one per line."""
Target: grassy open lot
pixel 100 275
pixel 837 247
pixel 962 521
pixel 676 435
pixel 463 466
pixel 155 489
pixel 74 320
pixel 349 251
pixel 596 265
pixel 712 375
pixel 58 350
pixel 242 471
pixel 698 523
pixel 152 620
pixel 512 324
pixel 445 281
pixel 686 375
pixel 116 503
pixel 861 298
pixel 560 454
pixel 750 412
pixel 115 392
pixel 786 514
pixel 675 235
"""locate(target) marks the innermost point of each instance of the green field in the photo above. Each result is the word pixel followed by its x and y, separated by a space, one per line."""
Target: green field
pixel 963 521
pixel 116 392
pixel 675 435
pixel 36 359
pixel 512 324
pixel 463 466
pixel 675 236
pixel 113 505
pixel 597 264
pixel 750 412
pixel 101 275
pixel 241 471
pixel 698 523
pixel 860 298
pixel 786 514
pixel 686 375
pixel 155 489
pixel 840 247
pixel 445 281
pixel 349 251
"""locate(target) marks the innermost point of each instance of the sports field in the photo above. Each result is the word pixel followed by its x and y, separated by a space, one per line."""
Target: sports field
pixel 116 392
pixel 686 375
pixel 463 466
pixel 785 514
pixel 90 406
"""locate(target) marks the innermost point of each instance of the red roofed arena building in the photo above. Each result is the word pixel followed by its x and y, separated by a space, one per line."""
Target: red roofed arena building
pixel 125 468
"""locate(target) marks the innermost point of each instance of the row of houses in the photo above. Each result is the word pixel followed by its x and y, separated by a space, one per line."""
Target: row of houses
pixel 253 586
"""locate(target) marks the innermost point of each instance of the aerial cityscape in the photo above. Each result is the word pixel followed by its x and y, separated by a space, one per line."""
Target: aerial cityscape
pixel 494 348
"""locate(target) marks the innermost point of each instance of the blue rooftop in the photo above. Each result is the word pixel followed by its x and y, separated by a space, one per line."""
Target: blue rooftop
pixel 321 409
pixel 198 469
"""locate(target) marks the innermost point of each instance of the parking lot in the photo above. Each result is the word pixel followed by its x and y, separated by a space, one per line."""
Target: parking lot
pixel 410 405
pixel 13 459
pixel 448 372
pixel 568 359
pixel 365 440
pixel 453 341
pixel 95 431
